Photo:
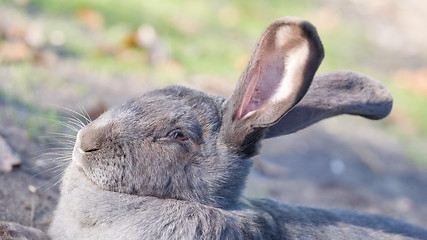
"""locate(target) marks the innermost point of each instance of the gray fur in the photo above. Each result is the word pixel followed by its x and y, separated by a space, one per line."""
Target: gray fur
pixel 335 93
pixel 10 230
pixel 172 164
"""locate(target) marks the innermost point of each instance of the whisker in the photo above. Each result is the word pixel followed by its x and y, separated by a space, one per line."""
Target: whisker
pixel 76 123
pixel 75 112
pixel 42 153
pixel 69 126
pixel 58 142
pixel 65 135
pixel 59 179
pixel 57 170
pixel 50 169
pixel 51 157
pixel 74 119
pixel 48 185
pixel 59 158
pixel 64 124
pixel 83 110
pixel 71 120
pixel 53 160
pixel 58 138
pixel 59 149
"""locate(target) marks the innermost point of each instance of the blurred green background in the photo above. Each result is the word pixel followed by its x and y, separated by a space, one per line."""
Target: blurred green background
pixel 52 51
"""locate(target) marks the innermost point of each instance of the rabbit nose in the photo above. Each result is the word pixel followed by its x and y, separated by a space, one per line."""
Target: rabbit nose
pixel 89 139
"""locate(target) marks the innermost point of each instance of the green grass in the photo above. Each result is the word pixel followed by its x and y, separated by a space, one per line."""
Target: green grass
pixel 213 45
pixel 345 48
pixel 37 121
pixel 413 105
pixel 40 122
pixel 221 33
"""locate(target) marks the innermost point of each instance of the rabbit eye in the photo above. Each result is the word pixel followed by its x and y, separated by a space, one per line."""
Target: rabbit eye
pixel 178 135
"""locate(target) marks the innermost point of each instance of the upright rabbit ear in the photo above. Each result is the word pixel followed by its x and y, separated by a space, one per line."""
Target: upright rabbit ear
pixel 335 93
pixel 277 76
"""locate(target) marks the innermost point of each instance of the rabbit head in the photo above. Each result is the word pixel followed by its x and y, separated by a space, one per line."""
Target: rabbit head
pixel 184 144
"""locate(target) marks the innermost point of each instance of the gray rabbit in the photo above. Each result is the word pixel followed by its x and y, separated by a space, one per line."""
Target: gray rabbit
pixel 172 164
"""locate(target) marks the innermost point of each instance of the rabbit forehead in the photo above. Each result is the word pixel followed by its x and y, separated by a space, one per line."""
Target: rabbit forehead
pixel 171 105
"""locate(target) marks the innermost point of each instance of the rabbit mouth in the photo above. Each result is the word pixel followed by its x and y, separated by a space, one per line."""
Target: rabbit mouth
pixel 78 162
pixel 77 157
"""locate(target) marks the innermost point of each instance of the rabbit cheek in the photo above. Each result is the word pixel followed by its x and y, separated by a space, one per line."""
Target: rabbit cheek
pixel 102 169
pixel 160 169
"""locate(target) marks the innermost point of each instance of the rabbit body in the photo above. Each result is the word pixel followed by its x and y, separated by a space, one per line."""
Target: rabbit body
pixel 91 207
pixel 87 212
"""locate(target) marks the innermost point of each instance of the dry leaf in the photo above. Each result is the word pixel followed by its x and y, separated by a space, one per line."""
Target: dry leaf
pixel 130 40
pixel 90 18
pixel 15 51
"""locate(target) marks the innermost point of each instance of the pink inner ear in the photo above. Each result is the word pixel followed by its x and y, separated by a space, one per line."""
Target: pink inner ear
pixel 264 81
pixel 246 99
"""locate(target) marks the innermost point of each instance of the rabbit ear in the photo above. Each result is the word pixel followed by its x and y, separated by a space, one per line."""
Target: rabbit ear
pixel 335 93
pixel 277 76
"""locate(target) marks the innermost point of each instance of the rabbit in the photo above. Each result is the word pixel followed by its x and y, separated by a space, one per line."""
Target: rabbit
pixel 172 163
